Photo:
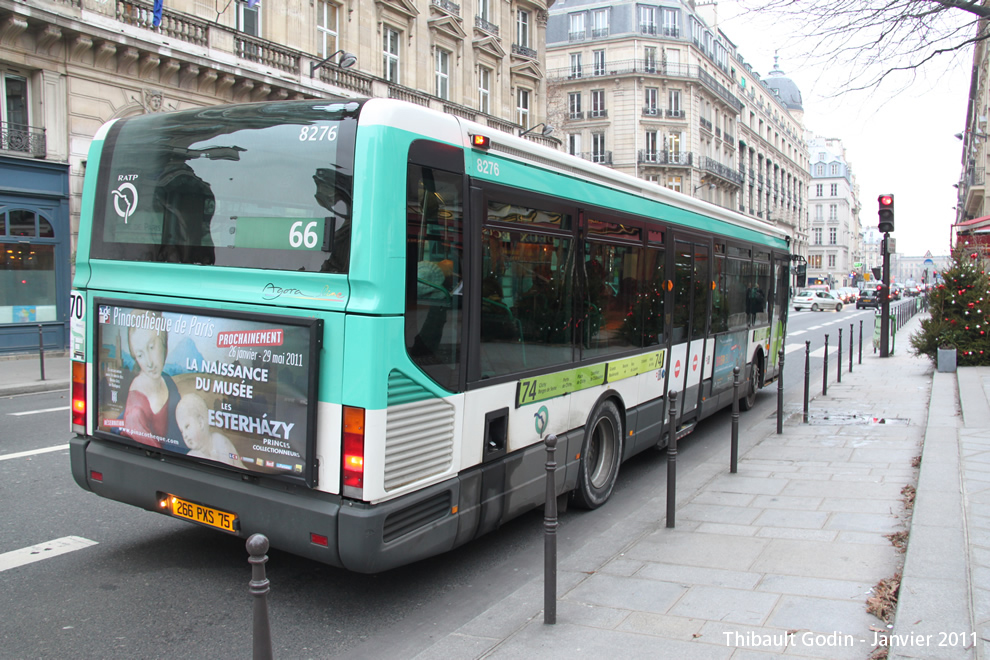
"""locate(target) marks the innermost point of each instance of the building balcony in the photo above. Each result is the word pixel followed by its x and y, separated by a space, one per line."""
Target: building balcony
pixel 598 114
pixel 485 26
pixel 648 28
pixel 665 157
pixel 705 123
pixel 599 33
pixel 448 6
pixel 577 36
pixel 600 157
pixel 19 138
pixel 669 31
pixel 973 192
pixel 731 175
pixel 650 111
pixel 524 51
pixel 575 116
pixel 674 114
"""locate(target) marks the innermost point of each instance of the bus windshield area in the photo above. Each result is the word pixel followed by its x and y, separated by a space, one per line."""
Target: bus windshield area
pixel 249 186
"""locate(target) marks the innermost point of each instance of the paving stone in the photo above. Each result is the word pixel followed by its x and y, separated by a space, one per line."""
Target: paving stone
pixel 728 605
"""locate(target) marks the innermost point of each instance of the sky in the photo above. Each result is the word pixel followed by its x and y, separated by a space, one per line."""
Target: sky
pixel 897 142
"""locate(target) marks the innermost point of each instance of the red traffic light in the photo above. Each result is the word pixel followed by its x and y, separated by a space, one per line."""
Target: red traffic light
pixel 886 200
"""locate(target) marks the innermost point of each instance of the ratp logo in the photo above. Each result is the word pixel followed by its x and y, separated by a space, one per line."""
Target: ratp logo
pixel 542 417
pixel 127 195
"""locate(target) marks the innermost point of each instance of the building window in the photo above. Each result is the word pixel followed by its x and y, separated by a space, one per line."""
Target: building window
pixel 16 134
pixel 831 261
pixel 650 101
pixel 835 190
pixel 27 267
pixel 670 28
pixel 522 108
pixel 484 10
pixel 575 65
pixel 574 105
pixel 598 103
pixel 819 170
pixel 648 20
pixel 650 153
pixel 326 28
pixel 484 89
pixel 574 144
pixel 833 212
pixel 674 103
pixel 819 215
pixel 819 189
pixel 674 182
pixel 599 20
pixel 818 235
pixel 390 54
pixel 599 63
pixel 598 153
pixel 650 59
pixel 835 169
pixel 673 147
pixel 249 18
pixel 815 261
pixel 443 74
pixel 577 30
pixel 833 235
pixel 522 28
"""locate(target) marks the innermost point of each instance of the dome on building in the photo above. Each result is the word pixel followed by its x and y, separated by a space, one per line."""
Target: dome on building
pixel 786 90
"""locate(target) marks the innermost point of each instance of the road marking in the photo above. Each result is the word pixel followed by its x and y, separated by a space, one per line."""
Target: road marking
pixel 36 412
pixel 32 452
pixel 24 556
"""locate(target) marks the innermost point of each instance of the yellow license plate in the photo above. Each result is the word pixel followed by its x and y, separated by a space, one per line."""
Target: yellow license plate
pixel 202 514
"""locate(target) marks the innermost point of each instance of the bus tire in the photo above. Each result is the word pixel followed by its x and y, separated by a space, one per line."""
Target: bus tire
pixel 748 401
pixel 601 454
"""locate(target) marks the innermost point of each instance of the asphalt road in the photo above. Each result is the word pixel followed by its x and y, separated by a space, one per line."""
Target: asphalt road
pixel 150 586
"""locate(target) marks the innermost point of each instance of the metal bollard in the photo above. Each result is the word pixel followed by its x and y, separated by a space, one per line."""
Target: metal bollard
pixel 41 350
pixel 672 461
pixel 850 348
pixel 734 443
pixel 780 394
pixel 550 525
pixel 838 362
pixel 807 377
pixel 825 369
pixel 861 341
pixel 257 546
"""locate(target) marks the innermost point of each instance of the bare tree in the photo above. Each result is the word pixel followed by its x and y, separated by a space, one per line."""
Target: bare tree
pixel 882 41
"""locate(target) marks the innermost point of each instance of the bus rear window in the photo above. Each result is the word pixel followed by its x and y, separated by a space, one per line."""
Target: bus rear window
pixel 251 186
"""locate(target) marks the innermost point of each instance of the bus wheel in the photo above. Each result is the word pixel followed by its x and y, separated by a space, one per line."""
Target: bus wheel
pixel 601 454
pixel 749 400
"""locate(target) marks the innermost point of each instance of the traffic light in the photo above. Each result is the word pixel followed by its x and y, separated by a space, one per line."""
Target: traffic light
pixel 886 213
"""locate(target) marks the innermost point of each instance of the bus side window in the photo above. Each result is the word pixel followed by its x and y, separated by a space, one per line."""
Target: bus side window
pixel 434 247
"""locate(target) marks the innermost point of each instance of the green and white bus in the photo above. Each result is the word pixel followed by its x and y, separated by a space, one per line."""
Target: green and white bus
pixel 350 324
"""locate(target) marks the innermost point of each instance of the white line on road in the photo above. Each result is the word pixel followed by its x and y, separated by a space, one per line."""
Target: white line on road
pixel 35 412
pixel 32 452
pixel 24 556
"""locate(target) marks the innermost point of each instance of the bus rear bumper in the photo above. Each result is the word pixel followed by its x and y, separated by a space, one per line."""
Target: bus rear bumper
pixel 361 537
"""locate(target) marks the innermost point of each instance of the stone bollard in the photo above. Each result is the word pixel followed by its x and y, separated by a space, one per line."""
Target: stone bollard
pixel 257 546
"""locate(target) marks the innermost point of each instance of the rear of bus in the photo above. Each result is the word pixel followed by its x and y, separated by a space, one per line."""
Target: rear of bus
pixel 237 324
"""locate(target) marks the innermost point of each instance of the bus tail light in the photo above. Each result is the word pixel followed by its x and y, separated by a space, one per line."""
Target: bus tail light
pixel 79 397
pixel 353 454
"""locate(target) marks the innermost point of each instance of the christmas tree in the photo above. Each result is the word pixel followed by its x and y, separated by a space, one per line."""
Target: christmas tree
pixel 960 312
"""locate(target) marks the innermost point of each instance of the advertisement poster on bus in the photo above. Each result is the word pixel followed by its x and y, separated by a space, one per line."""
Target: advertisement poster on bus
pixel 232 390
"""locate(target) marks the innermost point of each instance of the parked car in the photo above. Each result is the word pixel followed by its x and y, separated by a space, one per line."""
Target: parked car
pixel 816 300
pixel 867 298
pixel 849 294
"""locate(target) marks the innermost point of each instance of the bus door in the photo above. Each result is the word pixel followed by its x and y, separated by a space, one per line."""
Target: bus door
pixel 777 312
pixel 691 269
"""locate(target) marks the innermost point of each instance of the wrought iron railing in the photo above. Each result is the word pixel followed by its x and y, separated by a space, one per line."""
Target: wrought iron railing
pixel 447 6
pixel 524 51
pixel 482 24
pixel 22 138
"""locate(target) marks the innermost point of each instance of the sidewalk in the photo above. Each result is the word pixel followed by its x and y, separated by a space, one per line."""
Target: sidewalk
pixel 21 374
pixel 780 558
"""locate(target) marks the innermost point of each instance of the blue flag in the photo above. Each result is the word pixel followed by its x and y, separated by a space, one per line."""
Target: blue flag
pixel 252 3
pixel 158 13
